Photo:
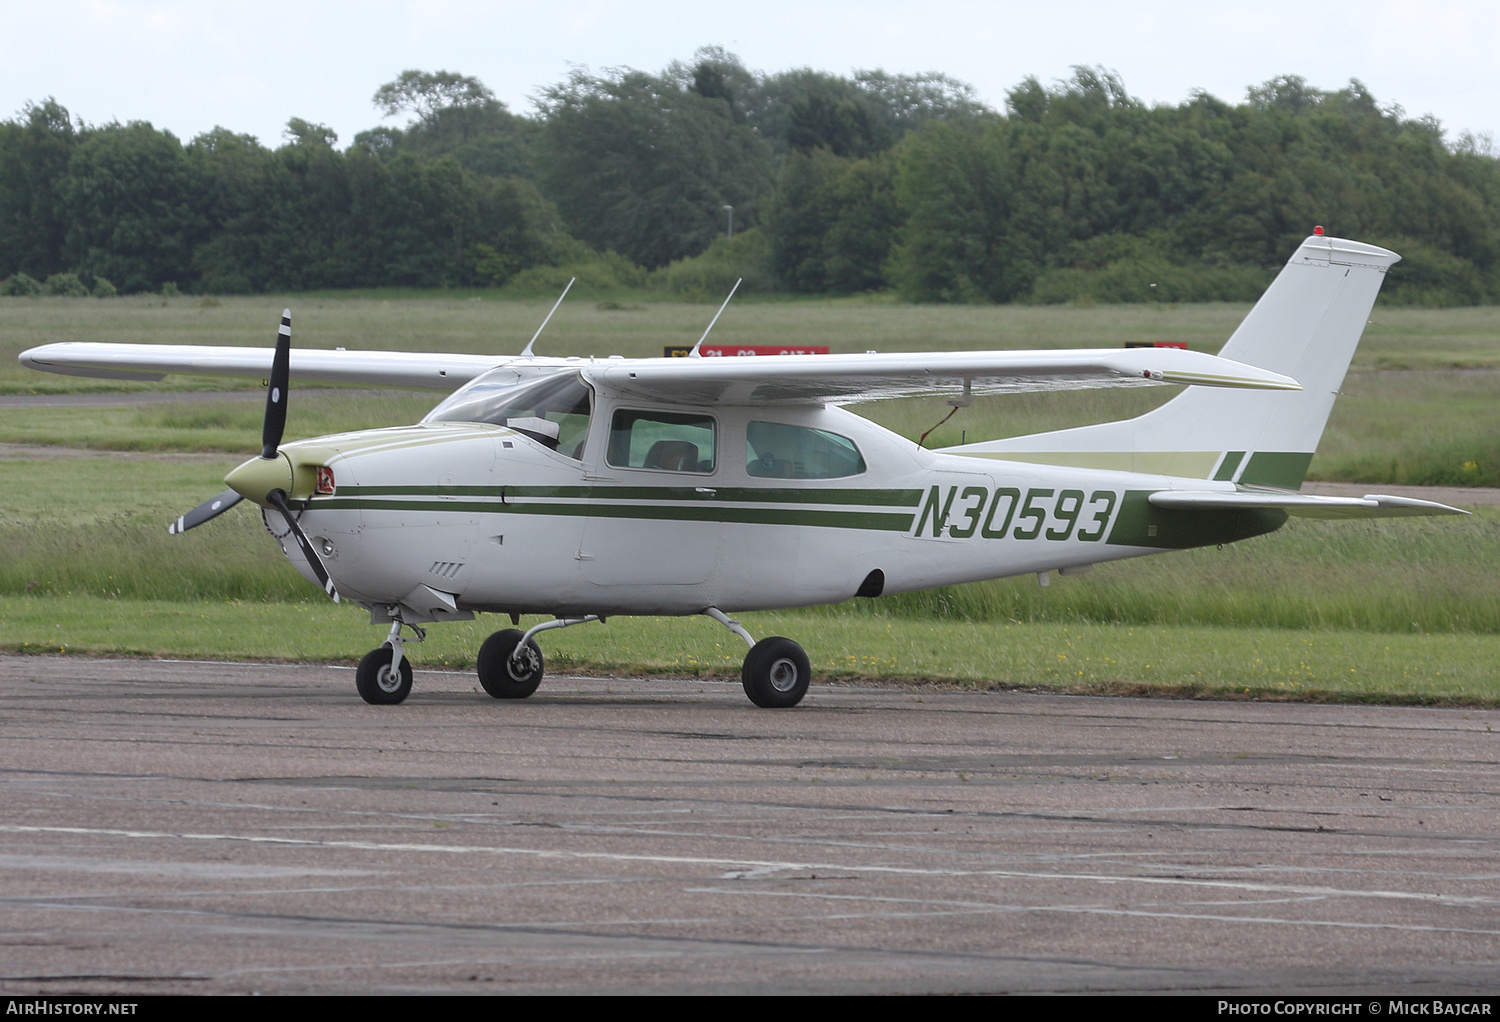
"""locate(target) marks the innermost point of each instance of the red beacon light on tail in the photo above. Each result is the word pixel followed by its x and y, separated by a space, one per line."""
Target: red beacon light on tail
pixel 1318 230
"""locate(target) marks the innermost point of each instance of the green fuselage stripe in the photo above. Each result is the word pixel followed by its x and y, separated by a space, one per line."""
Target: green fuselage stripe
pixel 699 511
pixel 694 493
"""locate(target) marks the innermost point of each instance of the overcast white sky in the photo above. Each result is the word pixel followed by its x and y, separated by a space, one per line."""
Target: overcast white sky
pixel 187 66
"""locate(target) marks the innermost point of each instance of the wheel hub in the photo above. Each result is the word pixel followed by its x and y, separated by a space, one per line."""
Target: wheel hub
pixel 522 664
pixel 783 675
pixel 387 679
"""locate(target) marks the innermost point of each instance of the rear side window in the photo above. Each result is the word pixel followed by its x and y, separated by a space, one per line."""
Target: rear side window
pixel 664 441
pixel 775 450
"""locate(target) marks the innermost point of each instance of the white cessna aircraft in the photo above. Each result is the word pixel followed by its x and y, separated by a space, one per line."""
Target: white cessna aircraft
pixel 585 488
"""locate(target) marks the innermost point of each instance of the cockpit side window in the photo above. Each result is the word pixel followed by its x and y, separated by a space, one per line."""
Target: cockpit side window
pixel 553 411
pixel 776 450
pixel 665 441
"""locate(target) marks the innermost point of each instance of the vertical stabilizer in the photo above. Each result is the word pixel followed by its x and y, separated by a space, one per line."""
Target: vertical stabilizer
pixel 1305 326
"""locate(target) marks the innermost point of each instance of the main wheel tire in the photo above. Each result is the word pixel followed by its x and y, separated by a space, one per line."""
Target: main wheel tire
pixel 776 673
pixel 377 683
pixel 503 677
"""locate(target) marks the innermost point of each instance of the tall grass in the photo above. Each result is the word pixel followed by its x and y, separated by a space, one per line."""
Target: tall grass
pixel 1377 576
pixel 1419 429
pixel 1380 576
pixel 127 558
pixel 97 526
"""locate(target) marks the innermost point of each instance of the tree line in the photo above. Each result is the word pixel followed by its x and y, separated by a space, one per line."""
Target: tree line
pixel 838 185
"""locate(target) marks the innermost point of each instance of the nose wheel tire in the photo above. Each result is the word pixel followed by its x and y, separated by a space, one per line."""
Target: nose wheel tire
pixel 776 673
pixel 504 675
pixel 377 683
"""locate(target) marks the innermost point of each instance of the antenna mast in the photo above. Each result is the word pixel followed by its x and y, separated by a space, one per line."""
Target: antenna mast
pixel 694 352
pixel 526 351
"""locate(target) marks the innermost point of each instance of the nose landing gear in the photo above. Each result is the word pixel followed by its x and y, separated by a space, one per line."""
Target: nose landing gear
pixel 384 675
pixel 380 679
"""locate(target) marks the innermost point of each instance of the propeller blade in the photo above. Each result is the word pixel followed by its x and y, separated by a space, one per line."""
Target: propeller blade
pixel 278 497
pixel 204 511
pixel 281 374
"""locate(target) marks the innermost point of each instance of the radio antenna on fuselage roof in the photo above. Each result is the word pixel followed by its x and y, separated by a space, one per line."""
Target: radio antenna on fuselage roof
pixel 694 352
pixel 526 351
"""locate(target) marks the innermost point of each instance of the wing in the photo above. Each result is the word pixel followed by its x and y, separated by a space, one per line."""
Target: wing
pixel 1302 505
pixel 838 379
pixel 846 379
pixel 430 370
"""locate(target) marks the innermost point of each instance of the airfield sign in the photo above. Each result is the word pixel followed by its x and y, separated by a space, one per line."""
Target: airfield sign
pixel 682 350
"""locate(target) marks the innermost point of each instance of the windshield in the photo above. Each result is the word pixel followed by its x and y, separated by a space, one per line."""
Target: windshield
pixel 553 411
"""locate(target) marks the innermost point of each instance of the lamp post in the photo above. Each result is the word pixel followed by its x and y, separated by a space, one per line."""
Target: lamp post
pixel 730 210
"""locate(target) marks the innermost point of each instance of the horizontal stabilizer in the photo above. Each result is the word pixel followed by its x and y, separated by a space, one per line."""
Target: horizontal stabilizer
pixel 1303 505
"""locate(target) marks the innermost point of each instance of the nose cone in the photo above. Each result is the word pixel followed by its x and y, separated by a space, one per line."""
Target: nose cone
pixel 256 478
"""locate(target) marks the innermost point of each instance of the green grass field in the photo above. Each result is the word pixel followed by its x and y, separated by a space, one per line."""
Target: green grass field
pixel 1264 663
pixel 1403 611
pixel 1397 338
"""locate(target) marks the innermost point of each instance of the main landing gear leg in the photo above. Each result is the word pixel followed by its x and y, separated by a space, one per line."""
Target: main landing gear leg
pixel 510 663
pixel 384 675
pixel 776 671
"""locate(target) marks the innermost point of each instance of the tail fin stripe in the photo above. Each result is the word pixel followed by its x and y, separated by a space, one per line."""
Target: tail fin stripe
pixel 1226 467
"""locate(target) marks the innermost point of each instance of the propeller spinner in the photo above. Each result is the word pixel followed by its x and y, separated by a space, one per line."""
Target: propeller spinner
pixel 266 479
